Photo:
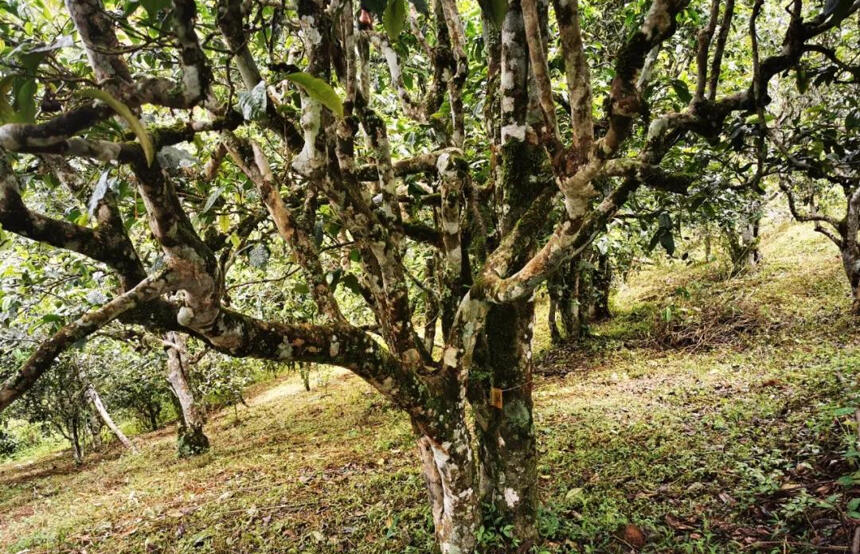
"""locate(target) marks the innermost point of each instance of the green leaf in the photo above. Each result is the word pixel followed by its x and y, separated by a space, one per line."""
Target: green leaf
pixel 25 101
pixel 666 314
pixel 350 281
pixel 319 90
pixel 213 197
pixel 497 10
pixel 152 7
pixel 133 122
pixel 682 91
pixel 394 18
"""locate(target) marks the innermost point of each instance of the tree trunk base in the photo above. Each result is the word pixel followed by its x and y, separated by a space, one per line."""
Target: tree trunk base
pixel 191 442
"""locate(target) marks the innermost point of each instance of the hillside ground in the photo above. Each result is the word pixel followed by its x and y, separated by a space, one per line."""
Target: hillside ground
pixel 713 414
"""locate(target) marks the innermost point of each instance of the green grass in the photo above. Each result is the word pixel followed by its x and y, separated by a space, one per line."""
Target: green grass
pixel 733 444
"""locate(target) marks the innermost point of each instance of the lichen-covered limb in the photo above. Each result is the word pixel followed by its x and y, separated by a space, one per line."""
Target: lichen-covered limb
pixel 719 49
pixel 386 186
pixel 500 262
pixel 513 79
pixel 185 252
pixel 539 67
pixel 96 30
pixel 54 137
pixel 337 344
pixel 453 173
pixel 649 175
pixel 196 74
pixel 104 244
pixel 97 34
pixel 570 237
pixel 230 20
pixel 17 137
pixel 395 70
pixel 381 253
pixel 577 74
pixel 706 34
pixel 253 163
pixel 625 103
pixel 422 163
pixel 41 360
pixel 457 37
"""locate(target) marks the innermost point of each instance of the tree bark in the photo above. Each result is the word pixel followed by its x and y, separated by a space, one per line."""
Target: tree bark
pixel 94 397
pixel 75 439
pixel 191 440
pixel 449 471
pixel 507 451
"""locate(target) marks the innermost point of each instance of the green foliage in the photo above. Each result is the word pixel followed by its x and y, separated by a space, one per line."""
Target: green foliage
pixel 394 18
pixel 319 90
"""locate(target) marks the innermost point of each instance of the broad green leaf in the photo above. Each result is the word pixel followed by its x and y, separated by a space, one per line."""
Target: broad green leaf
pixel 152 7
pixel 394 18
pixel 133 122
pixel 497 10
pixel 682 91
pixel 25 100
pixel 224 223
pixel 319 90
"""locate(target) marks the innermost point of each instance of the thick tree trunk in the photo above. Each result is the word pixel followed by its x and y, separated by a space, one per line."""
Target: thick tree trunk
pixel 449 471
pixel 507 453
pixel 192 440
pixel 94 397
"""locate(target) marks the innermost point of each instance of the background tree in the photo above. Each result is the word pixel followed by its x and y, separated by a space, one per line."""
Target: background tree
pixel 817 141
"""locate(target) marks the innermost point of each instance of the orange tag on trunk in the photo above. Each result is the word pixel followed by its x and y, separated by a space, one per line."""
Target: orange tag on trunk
pixel 496 397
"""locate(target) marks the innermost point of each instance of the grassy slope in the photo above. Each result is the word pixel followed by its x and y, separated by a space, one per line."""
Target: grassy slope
pixel 729 441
